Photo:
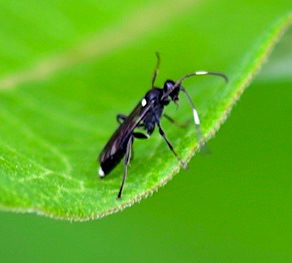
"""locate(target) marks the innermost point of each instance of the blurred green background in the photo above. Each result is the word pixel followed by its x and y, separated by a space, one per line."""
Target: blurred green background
pixel 233 205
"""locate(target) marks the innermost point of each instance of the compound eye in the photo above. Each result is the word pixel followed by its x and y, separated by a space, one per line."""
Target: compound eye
pixel 168 85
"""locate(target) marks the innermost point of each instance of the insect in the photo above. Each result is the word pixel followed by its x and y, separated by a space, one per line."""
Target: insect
pixel 146 116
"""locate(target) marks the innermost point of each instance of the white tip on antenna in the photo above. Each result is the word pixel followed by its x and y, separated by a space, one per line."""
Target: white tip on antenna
pixel 196 117
pixel 201 73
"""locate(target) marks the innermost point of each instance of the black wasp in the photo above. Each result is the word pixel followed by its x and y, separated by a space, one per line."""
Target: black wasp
pixel 146 115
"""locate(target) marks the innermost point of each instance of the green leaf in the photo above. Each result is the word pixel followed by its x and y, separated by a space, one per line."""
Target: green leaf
pixel 68 69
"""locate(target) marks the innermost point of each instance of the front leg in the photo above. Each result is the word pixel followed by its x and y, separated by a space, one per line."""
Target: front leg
pixel 174 122
pixel 162 133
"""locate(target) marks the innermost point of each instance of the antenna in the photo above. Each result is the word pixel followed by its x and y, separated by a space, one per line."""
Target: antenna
pixel 195 112
pixel 156 69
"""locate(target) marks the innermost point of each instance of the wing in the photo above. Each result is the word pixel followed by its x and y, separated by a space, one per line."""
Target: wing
pixel 122 134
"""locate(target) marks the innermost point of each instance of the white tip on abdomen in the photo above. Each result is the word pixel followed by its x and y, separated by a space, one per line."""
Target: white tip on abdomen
pixel 101 172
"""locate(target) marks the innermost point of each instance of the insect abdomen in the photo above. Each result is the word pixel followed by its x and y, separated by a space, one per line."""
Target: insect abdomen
pixel 107 165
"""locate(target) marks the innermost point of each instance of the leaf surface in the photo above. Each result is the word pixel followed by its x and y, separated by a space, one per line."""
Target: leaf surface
pixel 65 77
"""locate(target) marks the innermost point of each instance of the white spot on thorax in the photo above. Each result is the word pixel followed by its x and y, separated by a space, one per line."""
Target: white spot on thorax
pixel 144 102
pixel 101 172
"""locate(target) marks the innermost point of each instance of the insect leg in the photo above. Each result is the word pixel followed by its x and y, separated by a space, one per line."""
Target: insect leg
pixel 156 69
pixel 140 135
pixel 162 133
pixel 121 118
pixel 126 163
pixel 175 122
